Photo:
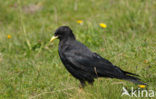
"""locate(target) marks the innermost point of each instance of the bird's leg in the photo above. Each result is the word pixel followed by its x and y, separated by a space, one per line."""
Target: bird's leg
pixel 91 83
pixel 82 84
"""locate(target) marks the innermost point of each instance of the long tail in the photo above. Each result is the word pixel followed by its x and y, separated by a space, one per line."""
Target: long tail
pixel 125 72
pixel 131 77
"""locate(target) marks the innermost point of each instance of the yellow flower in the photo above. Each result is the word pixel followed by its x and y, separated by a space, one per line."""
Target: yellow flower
pixel 142 86
pixel 79 21
pixel 103 25
pixel 9 36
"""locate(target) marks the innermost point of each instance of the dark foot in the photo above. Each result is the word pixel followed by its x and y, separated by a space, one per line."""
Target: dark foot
pixel 82 84
pixel 91 83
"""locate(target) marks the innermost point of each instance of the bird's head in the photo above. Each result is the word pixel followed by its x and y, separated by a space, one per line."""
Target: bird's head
pixel 63 32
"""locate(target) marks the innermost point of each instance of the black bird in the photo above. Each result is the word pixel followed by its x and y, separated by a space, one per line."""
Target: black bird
pixel 84 64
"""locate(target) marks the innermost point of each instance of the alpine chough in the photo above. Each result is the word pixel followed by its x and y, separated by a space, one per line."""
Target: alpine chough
pixel 84 64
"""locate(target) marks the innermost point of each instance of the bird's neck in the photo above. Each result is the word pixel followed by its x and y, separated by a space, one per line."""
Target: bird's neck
pixel 66 41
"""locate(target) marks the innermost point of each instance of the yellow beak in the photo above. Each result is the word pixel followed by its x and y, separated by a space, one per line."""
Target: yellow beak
pixel 53 38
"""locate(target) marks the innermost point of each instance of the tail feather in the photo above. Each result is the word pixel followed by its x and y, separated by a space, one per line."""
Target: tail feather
pixel 133 79
pixel 125 72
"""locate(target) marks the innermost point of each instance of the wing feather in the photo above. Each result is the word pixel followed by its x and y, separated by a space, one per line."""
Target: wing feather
pixel 93 63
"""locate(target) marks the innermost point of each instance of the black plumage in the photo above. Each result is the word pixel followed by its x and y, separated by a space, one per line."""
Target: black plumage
pixel 84 64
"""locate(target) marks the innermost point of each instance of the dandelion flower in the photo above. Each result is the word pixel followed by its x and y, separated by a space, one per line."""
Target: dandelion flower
pixel 102 25
pixel 142 86
pixel 79 21
pixel 9 36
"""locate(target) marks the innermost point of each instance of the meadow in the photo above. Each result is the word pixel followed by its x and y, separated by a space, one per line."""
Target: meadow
pixel 30 67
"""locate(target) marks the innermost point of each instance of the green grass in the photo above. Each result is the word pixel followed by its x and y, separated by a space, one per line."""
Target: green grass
pixel 30 68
